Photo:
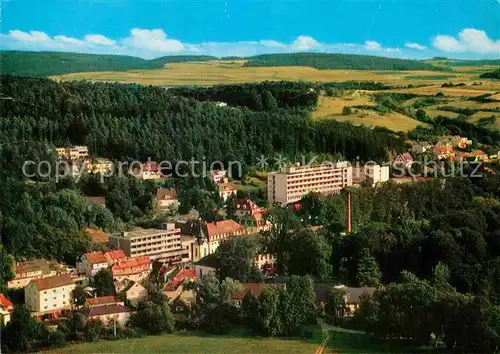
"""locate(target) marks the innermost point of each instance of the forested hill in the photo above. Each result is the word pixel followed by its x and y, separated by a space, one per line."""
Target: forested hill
pixel 58 63
pixel 325 61
pixel 119 121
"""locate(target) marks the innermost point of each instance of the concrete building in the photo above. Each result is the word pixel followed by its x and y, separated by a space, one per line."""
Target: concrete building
pixel 49 295
pixel 6 309
pixel 217 176
pixel 108 314
pixel 166 198
pixel 292 183
pixel 164 245
pixel 370 173
pixel 91 263
pixel 210 235
pixel 33 269
pixel 134 269
pixel 73 152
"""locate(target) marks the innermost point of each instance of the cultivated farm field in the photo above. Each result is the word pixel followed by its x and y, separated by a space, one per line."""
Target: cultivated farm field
pixel 230 72
pixel 421 83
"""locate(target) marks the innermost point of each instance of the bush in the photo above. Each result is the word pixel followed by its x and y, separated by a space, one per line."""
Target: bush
pixel 56 339
pixel 346 110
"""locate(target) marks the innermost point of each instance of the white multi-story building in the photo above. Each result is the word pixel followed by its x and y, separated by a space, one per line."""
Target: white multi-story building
pixel 91 263
pixel 158 244
pixel 371 173
pixel 292 183
pixel 49 295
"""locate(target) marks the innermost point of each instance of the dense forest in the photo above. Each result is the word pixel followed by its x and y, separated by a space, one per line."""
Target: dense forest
pixel 256 96
pixel 495 74
pixel 58 63
pixel 324 61
pixel 131 121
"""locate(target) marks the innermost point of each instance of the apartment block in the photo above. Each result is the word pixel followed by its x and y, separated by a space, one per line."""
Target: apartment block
pixel 73 152
pixel 33 269
pixel 158 244
pixel 370 173
pixel 49 295
pixel 292 183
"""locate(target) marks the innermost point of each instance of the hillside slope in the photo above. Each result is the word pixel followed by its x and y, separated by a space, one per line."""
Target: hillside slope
pixel 338 61
pixel 58 63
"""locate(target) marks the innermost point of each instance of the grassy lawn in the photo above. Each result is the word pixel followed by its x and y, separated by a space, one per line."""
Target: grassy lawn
pixel 191 343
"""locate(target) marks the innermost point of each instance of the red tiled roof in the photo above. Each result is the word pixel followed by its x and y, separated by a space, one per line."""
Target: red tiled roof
pixel 97 236
pixel 223 227
pixel 166 193
pixel 6 303
pixel 127 267
pixel 95 257
pixel 254 288
pixel 443 149
pixel 102 300
pixel 405 158
pixel 217 172
pixel 228 186
pixel 179 279
pixel 116 254
pixel 104 310
pixel 150 166
pixel 53 282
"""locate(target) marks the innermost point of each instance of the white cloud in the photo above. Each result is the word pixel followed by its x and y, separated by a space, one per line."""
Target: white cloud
pixel 152 43
pixel 447 44
pixel 305 43
pixel 272 43
pixel 373 46
pixel 417 46
pixel 153 40
pixel 32 36
pixel 98 39
pixel 469 40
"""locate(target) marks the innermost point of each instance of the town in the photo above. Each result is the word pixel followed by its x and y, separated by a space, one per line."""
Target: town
pixel 243 177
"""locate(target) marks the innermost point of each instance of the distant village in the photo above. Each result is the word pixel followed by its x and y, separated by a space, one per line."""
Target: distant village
pixel 183 250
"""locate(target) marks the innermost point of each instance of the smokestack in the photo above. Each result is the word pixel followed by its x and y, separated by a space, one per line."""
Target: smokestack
pixel 348 211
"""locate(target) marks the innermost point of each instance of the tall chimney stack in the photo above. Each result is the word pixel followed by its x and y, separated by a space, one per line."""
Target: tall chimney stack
pixel 348 211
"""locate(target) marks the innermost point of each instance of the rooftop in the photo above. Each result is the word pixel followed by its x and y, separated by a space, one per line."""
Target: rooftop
pixel 95 257
pixel 222 227
pixel 146 232
pixel 34 265
pixel 6 303
pixel 166 193
pixel 53 282
pixel 116 254
pixel 102 310
pixel 255 289
pixel 102 300
pixel 179 279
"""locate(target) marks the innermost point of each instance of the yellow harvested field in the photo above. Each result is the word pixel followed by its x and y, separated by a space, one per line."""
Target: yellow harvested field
pixel 447 91
pixel 394 121
pixel 328 106
pixel 226 72
pixel 436 112
pixel 495 97
pixel 475 104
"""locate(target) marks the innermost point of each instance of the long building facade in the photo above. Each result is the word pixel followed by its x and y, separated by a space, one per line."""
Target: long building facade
pixel 292 183
pixel 158 244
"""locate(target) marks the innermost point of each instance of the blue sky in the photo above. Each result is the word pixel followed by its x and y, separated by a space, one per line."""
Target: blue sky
pixel 152 28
